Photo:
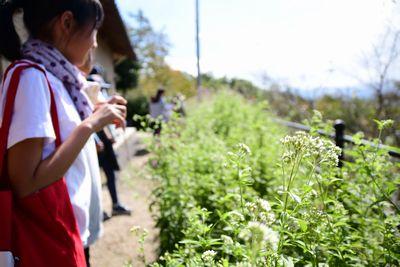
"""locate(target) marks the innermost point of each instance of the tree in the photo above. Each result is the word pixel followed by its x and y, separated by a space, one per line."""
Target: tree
pixel 380 64
pixel 152 47
pixel 127 72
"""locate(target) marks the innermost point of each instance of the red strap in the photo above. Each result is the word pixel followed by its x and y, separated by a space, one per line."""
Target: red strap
pixel 9 106
pixel 12 65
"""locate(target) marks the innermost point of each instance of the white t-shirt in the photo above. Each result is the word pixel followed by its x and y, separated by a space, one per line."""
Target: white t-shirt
pixel 161 108
pixel 31 118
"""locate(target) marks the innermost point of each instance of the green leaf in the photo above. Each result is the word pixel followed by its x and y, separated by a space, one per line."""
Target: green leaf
pixel 303 225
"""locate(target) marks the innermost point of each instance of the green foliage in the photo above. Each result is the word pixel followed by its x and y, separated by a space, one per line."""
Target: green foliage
pixel 244 87
pixel 276 201
pixel 209 81
pixel 127 72
pixel 357 113
pixel 151 47
pixel 286 103
pixel 138 104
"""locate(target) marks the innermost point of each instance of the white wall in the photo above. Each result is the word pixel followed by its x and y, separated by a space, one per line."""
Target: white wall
pixel 23 35
pixel 3 65
pixel 104 58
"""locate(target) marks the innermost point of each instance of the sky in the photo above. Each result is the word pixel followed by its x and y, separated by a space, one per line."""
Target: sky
pixel 302 43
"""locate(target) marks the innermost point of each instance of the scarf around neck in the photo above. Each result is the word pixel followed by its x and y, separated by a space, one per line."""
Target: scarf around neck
pixel 56 63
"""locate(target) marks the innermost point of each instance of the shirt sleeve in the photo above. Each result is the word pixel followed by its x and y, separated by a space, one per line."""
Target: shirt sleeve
pixel 31 114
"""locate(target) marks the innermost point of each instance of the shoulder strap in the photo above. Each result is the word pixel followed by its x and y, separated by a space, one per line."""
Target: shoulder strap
pixel 12 65
pixel 9 106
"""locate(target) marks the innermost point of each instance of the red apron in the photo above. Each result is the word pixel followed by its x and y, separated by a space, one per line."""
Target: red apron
pixel 40 229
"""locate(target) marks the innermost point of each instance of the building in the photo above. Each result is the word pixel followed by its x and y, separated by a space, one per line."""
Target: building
pixel 113 41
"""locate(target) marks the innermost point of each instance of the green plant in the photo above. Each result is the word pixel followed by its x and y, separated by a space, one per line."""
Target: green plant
pixel 236 190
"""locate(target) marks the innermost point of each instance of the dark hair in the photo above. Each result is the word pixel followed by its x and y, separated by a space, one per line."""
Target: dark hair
pixel 37 16
pixel 158 95
pixel 96 70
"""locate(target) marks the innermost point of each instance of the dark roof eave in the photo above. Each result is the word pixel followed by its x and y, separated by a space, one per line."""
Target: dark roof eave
pixel 114 32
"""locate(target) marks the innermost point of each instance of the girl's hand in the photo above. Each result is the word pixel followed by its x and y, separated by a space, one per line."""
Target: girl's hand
pixel 117 99
pixel 99 146
pixel 106 113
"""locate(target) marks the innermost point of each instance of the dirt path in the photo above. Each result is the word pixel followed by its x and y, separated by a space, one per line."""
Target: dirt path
pixel 119 246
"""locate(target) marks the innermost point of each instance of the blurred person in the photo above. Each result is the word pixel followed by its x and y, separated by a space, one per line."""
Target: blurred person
pixel 160 109
pixel 96 215
pixel 106 154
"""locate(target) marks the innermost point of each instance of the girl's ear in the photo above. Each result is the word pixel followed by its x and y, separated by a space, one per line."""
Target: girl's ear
pixel 67 22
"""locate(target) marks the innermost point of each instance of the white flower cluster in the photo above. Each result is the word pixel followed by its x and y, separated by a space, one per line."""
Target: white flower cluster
pixel 243 264
pixel 259 232
pixel 236 216
pixel 244 148
pixel 208 256
pixel 266 215
pixel 227 240
pixel 252 207
pixel 135 229
pixel 384 124
pixel 264 204
pixel 261 211
pixel 321 150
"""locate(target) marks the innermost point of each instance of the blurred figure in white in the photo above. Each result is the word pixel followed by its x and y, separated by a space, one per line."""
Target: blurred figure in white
pixel 160 109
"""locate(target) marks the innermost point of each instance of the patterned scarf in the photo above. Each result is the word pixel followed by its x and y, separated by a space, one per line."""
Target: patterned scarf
pixel 55 62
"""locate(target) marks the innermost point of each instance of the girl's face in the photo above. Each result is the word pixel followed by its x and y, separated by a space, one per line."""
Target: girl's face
pixel 78 48
pixel 74 42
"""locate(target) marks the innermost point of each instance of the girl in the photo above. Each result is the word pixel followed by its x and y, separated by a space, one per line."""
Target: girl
pixel 159 110
pixel 62 32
